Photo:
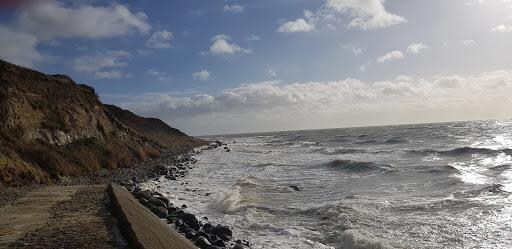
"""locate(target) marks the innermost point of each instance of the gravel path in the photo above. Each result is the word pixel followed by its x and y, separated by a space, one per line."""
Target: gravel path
pixel 60 217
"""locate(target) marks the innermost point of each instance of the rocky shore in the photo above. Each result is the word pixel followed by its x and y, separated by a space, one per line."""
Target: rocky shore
pixel 202 233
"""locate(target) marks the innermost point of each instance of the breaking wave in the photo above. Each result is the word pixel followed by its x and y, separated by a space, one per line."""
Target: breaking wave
pixel 359 167
pixel 461 151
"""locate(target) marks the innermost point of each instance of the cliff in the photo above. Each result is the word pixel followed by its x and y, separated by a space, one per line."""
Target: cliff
pixel 52 127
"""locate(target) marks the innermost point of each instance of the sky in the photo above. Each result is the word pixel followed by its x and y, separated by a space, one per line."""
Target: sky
pixel 234 66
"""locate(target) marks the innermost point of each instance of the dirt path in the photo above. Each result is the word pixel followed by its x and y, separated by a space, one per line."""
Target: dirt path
pixel 60 217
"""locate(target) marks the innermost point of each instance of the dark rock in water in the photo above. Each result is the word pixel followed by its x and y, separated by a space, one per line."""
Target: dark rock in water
pixel 294 187
pixel 223 232
pixel 143 194
pixel 202 242
pixel 238 246
pixel 219 243
pixel 165 200
pixel 203 234
pixel 159 203
pixel 161 212
pixel 183 206
pixel 208 228
pixel 190 235
pixel 191 221
pixel 228 150
pixel 207 194
pixel 215 247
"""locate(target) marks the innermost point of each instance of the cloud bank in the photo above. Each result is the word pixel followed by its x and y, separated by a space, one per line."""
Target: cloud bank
pixel 342 102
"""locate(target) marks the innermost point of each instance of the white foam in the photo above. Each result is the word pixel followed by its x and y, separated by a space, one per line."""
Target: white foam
pixel 230 200
pixel 354 239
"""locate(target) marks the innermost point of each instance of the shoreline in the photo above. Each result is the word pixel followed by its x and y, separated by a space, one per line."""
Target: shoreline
pixel 198 230
pixel 172 166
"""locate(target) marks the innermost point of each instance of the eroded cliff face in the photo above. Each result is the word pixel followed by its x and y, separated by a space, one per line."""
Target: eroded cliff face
pixel 51 127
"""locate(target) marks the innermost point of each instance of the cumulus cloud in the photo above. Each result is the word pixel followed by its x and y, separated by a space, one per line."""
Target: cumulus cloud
pixel 330 101
pixel 299 25
pixel 47 21
pixel 416 48
pixel 235 8
pixel 18 47
pixel 468 43
pixel 252 37
pixel 160 39
pixel 502 28
pixel 102 63
pixel 221 46
pixel 114 74
pixel 51 19
pixel 360 14
pixel 365 14
pixel 355 50
pixel 202 75
pixel 393 55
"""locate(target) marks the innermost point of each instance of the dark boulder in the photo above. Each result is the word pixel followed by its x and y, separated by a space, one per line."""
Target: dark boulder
pixel 219 243
pixel 202 242
pixel 203 234
pixel 159 203
pixel 223 232
pixel 161 212
pixel 294 187
pixel 238 246
pixel 191 221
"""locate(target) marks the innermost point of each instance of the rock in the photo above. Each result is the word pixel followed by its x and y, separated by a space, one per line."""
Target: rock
pixel 294 187
pixel 238 246
pixel 183 206
pixel 191 221
pixel 204 234
pixel 214 247
pixel 219 243
pixel 202 242
pixel 161 212
pixel 208 228
pixel 165 200
pixel 159 203
pixel 190 235
pixel 223 232
pixel 143 194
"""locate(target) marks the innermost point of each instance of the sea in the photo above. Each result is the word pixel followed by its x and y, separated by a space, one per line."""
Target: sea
pixel 439 185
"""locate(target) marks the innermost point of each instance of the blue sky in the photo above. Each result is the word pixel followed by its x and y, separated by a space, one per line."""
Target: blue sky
pixel 223 66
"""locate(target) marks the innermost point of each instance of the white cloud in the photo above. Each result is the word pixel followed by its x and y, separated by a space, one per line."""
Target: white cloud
pixel 365 14
pixel 363 68
pixel 334 101
pixel 355 50
pixel 299 25
pixel 235 8
pixel 202 75
pixel 468 43
pixel 18 48
pixel 416 48
pixel 51 19
pixel 252 37
pixel 160 76
pixel 271 73
pixel 502 28
pixel 361 14
pixel 114 74
pixel 393 55
pixel 102 63
pixel 160 39
pixel 222 46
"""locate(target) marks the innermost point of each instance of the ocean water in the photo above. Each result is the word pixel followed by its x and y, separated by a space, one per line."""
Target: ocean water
pixel 443 185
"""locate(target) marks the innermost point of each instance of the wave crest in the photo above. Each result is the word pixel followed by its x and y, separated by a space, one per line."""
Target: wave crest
pixel 359 167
